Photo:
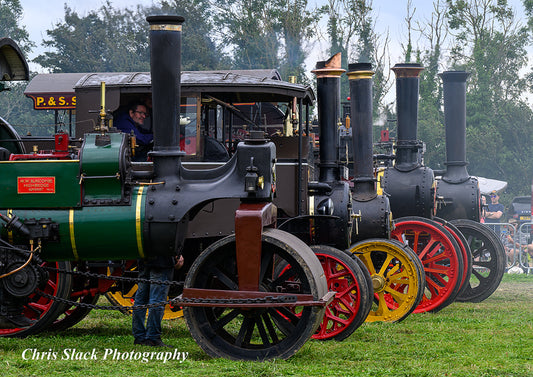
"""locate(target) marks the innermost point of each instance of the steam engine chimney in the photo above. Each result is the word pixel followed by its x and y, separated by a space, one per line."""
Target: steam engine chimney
pixel 360 76
pixel 457 190
pixel 328 75
pixel 409 183
pixel 165 58
pixel 408 154
pixel 454 91
pixel 165 231
pixel 374 209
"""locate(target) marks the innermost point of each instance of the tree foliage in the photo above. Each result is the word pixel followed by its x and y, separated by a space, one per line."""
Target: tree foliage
pixel 105 40
pixel 351 31
pixel 491 44
pixel 199 50
pixel 295 29
pixel 433 32
pixel 10 18
pixel 251 28
pixel 116 40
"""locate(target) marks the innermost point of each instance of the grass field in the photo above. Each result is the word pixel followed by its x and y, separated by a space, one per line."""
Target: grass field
pixel 492 338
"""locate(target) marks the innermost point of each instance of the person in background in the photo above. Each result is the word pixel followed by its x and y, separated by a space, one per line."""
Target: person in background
pixel 483 208
pixel 132 120
pixel 494 212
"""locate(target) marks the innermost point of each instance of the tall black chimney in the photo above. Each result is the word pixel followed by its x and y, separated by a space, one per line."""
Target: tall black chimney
pixel 409 184
pixel 372 211
pixel 408 148
pixel 328 75
pixel 360 77
pixel 165 58
pixel 454 91
pixel 457 192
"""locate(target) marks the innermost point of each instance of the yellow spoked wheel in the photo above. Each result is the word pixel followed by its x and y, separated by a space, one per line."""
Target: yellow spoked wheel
pixel 397 278
pixel 123 294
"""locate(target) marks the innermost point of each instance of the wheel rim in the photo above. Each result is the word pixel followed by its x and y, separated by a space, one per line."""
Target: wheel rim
pixel 440 256
pixel 43 310
pixel 256 333
pixel 488 260
pixel 352 301
pixel 466 253
pixel 395 278
pixel 344 308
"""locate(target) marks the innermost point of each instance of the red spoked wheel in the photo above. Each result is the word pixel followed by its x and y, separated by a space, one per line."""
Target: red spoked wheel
pixel 43 311
pixel 84 291
pixel 466 253
pixel 353 298
pixel 440 255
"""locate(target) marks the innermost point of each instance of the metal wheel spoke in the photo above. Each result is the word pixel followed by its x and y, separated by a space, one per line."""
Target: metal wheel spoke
pixel 270 327
pixel 223 321
pixel 223 278
pixel 367 260
pixel 398 296
pixel 480 277
pixel 245 332
pixel 428 248
pixel 486 264
pixel 385 265
pixel 348 289
pixel 38 308
pixel 438 278
pixel 266 264
pixel 288 274
pixel 262 332
pixel 393 271
pixel 282 319
pixel 383 308
pixel 433 287
pixel 332 273
pixel 347 305
pixel 51 283
pixel 335 319
pixel 416 236
pixel 399 278
pixel 435 258
pixel 437 271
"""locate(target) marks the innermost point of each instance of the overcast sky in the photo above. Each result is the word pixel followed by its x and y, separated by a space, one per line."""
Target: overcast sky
pixel 389 15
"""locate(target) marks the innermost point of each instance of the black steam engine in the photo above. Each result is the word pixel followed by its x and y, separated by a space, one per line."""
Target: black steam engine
pixel 440 210
pixel 92 206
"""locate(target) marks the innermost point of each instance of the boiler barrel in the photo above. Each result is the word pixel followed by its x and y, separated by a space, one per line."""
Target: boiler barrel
pixel 94 233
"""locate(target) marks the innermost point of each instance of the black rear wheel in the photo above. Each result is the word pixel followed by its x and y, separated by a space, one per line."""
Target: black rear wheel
pixel 488 260
pixel 263 332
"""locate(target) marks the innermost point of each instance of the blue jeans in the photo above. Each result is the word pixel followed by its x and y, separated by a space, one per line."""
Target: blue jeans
pixel 150 294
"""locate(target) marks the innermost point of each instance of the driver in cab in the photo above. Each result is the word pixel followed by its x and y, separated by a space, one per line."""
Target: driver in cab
pixel 132 120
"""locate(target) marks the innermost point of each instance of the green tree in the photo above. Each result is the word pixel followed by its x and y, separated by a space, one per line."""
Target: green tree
pixel 10 18
pixel 251 30
pixel 491 44
pixel 295 29
pixel 16 108
pixel 431 130
pixel 104 40
pixel 199 50
pixel 350 29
